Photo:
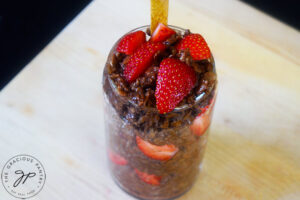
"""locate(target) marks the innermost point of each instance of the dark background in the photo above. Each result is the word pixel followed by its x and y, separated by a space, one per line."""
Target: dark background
pixel 27 26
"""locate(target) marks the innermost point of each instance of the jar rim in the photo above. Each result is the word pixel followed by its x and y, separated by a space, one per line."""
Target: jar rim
pixel 199 98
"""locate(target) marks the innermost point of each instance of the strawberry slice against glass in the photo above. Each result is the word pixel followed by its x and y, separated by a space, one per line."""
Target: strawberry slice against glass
pixel 202 121
pixel 162 153
pixel 200 124
pixel 116 158
pixel 148 178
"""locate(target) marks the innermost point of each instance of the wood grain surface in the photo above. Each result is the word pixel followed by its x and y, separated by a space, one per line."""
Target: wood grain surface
pixel 53 109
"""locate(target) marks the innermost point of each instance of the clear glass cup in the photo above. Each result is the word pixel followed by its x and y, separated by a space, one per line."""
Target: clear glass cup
pixel 184 130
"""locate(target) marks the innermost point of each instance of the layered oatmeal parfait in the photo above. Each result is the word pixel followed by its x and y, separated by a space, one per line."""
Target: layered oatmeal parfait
pixel 159 91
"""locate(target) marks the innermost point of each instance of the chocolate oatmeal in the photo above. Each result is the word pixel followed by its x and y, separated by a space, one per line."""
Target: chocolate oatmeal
pixel 155 153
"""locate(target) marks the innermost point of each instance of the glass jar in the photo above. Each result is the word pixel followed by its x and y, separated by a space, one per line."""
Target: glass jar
pixel 152 155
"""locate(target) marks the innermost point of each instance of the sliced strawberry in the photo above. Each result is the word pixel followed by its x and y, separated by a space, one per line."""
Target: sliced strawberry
pixel 141 59
pixel 202 121
pixel 148 178
pixel 116 158
pixel 197 46
pixel 203 110
pixel 200 124
pixel 163 153
pixel 175 80
pixel 131 42
pixel 161 33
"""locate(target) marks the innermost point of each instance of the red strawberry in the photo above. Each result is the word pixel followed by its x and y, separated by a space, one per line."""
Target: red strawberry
pixel 161 33
pixel 200 124
pixel 164 152
pixel 203 110
pixel 141 59
pixel 175 80
pixel 202 121
pixel 197 46
pixel 116 158
pixel 148 178
pixel 131 42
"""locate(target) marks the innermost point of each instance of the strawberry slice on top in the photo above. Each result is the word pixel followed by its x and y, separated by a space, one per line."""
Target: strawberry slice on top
pixel 161 33
pixel 175 80
pixel 197 46
pixel 130 42
pixel 162 153
pixel 148 178
pixel 141 59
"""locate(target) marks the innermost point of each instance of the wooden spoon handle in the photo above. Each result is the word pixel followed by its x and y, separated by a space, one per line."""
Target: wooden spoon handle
pixel 159 13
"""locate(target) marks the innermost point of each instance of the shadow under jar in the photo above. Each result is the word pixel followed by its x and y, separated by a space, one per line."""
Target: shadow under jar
pixel 134 129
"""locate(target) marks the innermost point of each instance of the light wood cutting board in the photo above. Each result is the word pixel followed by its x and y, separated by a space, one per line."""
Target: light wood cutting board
pixel 53 109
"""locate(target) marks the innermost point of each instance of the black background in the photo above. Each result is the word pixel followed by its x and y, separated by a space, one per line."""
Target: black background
pixel 27 26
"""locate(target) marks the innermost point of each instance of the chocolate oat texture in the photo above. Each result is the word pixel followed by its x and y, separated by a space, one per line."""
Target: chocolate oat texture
pixel 159 95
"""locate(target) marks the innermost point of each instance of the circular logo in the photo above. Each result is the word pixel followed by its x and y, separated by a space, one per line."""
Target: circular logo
pixel 23 176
